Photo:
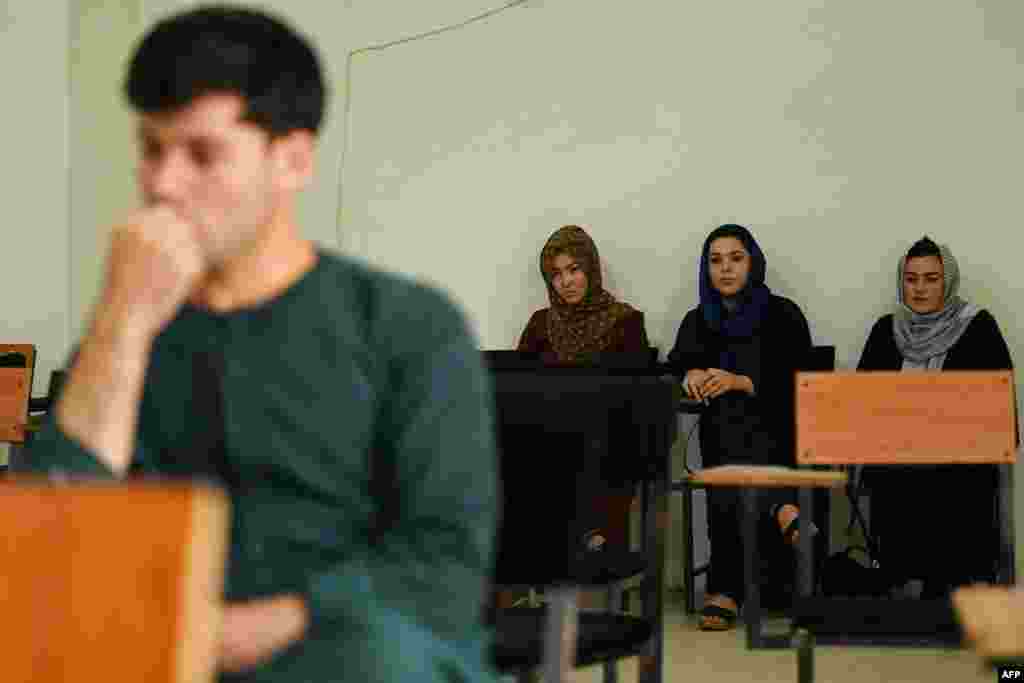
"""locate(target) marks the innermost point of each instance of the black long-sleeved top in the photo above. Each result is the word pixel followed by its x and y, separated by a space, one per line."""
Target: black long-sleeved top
pixel 737 427
pixel 628 335
pixel 356 440
pixel 937 521
pixel 981 347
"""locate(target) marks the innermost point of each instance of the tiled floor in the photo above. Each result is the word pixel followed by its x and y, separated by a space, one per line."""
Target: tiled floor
pixel 693 655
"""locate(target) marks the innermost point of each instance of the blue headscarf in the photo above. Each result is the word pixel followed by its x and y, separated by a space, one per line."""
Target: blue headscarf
pixel 752 300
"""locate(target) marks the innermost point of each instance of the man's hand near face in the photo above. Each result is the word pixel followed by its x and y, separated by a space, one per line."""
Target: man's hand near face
pixel 155 261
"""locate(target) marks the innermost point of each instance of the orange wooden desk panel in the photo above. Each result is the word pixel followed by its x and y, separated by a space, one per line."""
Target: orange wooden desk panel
pixel 110 582
pixel 767 476
pixel 905 417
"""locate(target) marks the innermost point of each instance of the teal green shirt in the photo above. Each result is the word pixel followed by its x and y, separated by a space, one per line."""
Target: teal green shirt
pixel 359 456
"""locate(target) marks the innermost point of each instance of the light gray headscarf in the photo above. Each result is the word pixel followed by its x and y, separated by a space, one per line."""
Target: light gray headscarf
pixel 924 339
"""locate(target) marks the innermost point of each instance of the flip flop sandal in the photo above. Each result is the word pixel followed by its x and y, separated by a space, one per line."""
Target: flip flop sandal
pixel 710 615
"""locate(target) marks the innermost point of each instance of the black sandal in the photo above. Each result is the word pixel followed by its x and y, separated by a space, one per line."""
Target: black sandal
pixel 714 611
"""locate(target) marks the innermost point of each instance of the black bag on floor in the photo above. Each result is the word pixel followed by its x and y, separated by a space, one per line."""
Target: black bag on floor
pixel 842 575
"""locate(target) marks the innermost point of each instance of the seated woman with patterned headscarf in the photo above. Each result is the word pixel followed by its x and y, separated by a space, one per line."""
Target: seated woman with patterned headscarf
pixel 949 535
pixel 585 319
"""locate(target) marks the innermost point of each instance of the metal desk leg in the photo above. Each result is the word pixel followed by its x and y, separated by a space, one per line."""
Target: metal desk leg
pixel 752 603
pixel 803 641
pixel 753 613
pixel 805 554
pixel 688 560
pixel 611 671
pixel 1008 570
pixel 650 663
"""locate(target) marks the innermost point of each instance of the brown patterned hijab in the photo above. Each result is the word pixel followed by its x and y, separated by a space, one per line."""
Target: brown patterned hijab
pixel 577 329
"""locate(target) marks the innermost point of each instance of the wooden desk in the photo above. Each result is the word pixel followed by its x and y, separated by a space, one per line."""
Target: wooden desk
pixel 117 582
pixel 993 620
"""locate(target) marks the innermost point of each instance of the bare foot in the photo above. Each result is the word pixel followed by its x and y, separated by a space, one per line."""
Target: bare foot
pixel 785 516
pixel 594 540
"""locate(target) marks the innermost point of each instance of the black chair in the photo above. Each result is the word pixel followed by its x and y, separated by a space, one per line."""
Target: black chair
pixel 45 403
pixel 616 363
pixel 684 486
pixel 821 358
pixel 37 408
pixel 537 546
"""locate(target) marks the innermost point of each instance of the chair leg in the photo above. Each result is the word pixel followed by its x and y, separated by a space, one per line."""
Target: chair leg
pixel 611 671
pixel 616 602
pixel 560 633
pixel 616 598
pixel 689 578
pixel 1007 560
pixel 803 641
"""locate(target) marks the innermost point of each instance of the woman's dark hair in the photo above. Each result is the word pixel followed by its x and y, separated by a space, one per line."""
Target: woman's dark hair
pixel 233 50
pixel 924 247
pixel 729 230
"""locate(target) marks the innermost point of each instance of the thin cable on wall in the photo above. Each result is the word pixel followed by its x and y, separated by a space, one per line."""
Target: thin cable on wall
pixel 383 46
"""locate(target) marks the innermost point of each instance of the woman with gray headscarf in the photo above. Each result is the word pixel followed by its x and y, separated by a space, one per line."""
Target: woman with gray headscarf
pixel 950 536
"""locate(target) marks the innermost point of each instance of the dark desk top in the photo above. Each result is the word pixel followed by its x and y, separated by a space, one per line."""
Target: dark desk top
pixel 560 423
pixel 572 401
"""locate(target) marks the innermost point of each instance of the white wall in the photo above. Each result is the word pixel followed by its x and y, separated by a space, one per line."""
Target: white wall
pixel 838 132
pixel 101 141
pixel 34 254
pixel 34 264
pixel 67 164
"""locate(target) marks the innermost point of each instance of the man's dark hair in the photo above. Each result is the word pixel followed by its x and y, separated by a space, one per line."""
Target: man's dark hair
pixel 924 247
pixel 234 50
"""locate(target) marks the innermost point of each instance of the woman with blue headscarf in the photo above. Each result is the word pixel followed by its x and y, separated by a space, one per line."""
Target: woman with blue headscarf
pixel 738 352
